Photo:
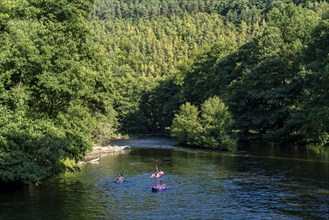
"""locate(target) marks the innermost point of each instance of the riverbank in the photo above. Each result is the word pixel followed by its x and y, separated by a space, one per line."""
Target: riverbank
pixel 98 151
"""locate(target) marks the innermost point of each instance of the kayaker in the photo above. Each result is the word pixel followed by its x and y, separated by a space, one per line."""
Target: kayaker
pixel 120 178
pixel 158 174
pixel 159 187
pixel 162 184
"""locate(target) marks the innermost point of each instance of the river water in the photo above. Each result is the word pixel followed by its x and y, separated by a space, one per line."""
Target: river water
pixel 260 181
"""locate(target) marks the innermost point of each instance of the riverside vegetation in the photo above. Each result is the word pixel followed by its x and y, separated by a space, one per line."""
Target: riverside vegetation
pixel 76 73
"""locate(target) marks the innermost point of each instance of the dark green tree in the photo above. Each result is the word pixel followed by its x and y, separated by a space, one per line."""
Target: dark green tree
pixel 54 87
pixel 209 128
pixel 186 126
pixel 217 123
pixel 310 119
pixel 269 86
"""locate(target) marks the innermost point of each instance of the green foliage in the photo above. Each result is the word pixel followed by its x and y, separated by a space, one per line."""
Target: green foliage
pixel 310 118
pixel 269 85
pixel 210 128
pixel 261 80
pixel 186 126
pixel 217 124
pixel 72 72
pixel 160 103
pixel 166 53
pixel 31 149
pixel 145 53
pixel 112 9
pixel 55 92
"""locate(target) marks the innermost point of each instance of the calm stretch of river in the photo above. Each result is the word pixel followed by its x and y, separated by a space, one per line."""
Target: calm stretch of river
pixel 258 182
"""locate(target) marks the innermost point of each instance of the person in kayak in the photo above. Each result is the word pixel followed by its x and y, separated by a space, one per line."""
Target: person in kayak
pixel 159 187
pixel 120 178
pixel 162 184
pixel 158 174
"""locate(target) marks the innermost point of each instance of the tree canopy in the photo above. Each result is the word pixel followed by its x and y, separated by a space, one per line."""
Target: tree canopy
pixel 54 87
pixel 76 73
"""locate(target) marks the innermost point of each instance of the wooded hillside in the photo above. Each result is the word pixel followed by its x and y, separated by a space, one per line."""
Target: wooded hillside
pixel 79 72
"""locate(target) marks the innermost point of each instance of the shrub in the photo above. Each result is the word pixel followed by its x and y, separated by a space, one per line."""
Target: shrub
pixel 210 128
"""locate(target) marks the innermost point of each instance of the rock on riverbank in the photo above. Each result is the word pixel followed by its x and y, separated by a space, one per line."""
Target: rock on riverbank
pixel 98 151
pixel 111 149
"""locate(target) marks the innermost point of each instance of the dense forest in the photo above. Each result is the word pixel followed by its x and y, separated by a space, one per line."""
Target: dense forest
pixel 208 72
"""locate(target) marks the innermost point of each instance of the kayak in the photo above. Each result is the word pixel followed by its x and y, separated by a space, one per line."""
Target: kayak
pixel 159 188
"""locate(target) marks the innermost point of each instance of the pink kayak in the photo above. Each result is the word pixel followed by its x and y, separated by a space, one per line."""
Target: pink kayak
pixel 159 188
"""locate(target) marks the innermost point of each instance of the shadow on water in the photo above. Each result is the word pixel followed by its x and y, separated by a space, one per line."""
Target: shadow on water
pixel 271 150
pixel 258 182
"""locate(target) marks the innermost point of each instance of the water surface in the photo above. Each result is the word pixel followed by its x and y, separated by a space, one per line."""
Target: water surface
pixel 258 182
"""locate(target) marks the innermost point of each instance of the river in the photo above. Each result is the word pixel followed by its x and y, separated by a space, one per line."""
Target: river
pixel 260 181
